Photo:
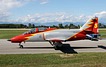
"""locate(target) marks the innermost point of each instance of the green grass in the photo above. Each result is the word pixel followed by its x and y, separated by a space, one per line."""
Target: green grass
pixel 54 60
pixel 6 34
pixel 103 33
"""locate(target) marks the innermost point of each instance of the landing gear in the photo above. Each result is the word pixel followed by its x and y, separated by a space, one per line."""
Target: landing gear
pixel 20 46
pixel 56 45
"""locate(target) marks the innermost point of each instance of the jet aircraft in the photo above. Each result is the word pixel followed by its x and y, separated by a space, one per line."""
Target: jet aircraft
pixel 56 36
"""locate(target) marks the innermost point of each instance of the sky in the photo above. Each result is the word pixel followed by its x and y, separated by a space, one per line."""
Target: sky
pixel 48 11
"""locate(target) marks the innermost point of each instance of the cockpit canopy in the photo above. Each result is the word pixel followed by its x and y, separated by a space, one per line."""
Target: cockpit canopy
pixel 35 30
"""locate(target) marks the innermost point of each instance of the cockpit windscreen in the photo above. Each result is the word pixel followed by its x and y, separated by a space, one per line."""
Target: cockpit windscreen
pixel 35 30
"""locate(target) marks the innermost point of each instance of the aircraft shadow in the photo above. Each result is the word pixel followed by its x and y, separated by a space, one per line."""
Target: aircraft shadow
pixel 83 47
pixel 66 48
pixel 101 46
pixel 62 47
pixel 38 48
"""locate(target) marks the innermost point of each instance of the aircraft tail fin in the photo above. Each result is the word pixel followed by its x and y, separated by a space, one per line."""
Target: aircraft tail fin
pixel 91 26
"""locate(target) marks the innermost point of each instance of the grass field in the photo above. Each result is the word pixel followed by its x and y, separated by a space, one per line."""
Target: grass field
pixel 103 33
pixel 6 34
pixel 54 60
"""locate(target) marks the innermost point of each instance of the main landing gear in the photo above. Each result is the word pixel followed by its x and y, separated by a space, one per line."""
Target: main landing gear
pixel 20 46
pixel 56 45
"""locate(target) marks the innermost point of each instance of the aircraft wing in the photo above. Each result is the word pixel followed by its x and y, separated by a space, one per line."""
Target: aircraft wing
pixel 58 39
pixel 61 36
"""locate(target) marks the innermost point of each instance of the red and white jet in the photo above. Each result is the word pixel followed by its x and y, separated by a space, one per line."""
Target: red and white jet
pixel 56 36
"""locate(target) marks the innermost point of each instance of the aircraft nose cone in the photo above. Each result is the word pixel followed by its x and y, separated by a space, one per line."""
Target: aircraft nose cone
pixel 17 39
pixel 14 39
pixel 9 40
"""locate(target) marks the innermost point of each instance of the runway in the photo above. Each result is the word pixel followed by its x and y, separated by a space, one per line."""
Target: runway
pixel 44 47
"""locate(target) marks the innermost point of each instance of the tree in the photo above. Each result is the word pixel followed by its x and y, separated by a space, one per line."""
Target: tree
pixel 102 25
pixel 29 25
pixel 66 26
pixel 60 25
pixel 33 26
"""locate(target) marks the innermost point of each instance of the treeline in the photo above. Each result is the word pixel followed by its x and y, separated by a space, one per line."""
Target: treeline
pixel 70 26
pixel 13 26
pixel 33 26
pixel 102 25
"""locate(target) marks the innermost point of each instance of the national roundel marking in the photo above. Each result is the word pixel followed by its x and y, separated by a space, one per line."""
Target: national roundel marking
pixel 96 25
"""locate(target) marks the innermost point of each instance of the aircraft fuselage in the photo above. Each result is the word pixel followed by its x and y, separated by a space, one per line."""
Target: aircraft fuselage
pixel 59 34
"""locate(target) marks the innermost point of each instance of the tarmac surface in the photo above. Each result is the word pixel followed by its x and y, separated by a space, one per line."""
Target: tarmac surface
pixel 7 47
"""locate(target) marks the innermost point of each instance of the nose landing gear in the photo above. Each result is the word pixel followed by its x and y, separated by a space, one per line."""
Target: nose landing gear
pixel 20 46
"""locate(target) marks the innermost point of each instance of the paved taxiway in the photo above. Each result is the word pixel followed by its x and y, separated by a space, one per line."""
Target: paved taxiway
pixel 44 47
